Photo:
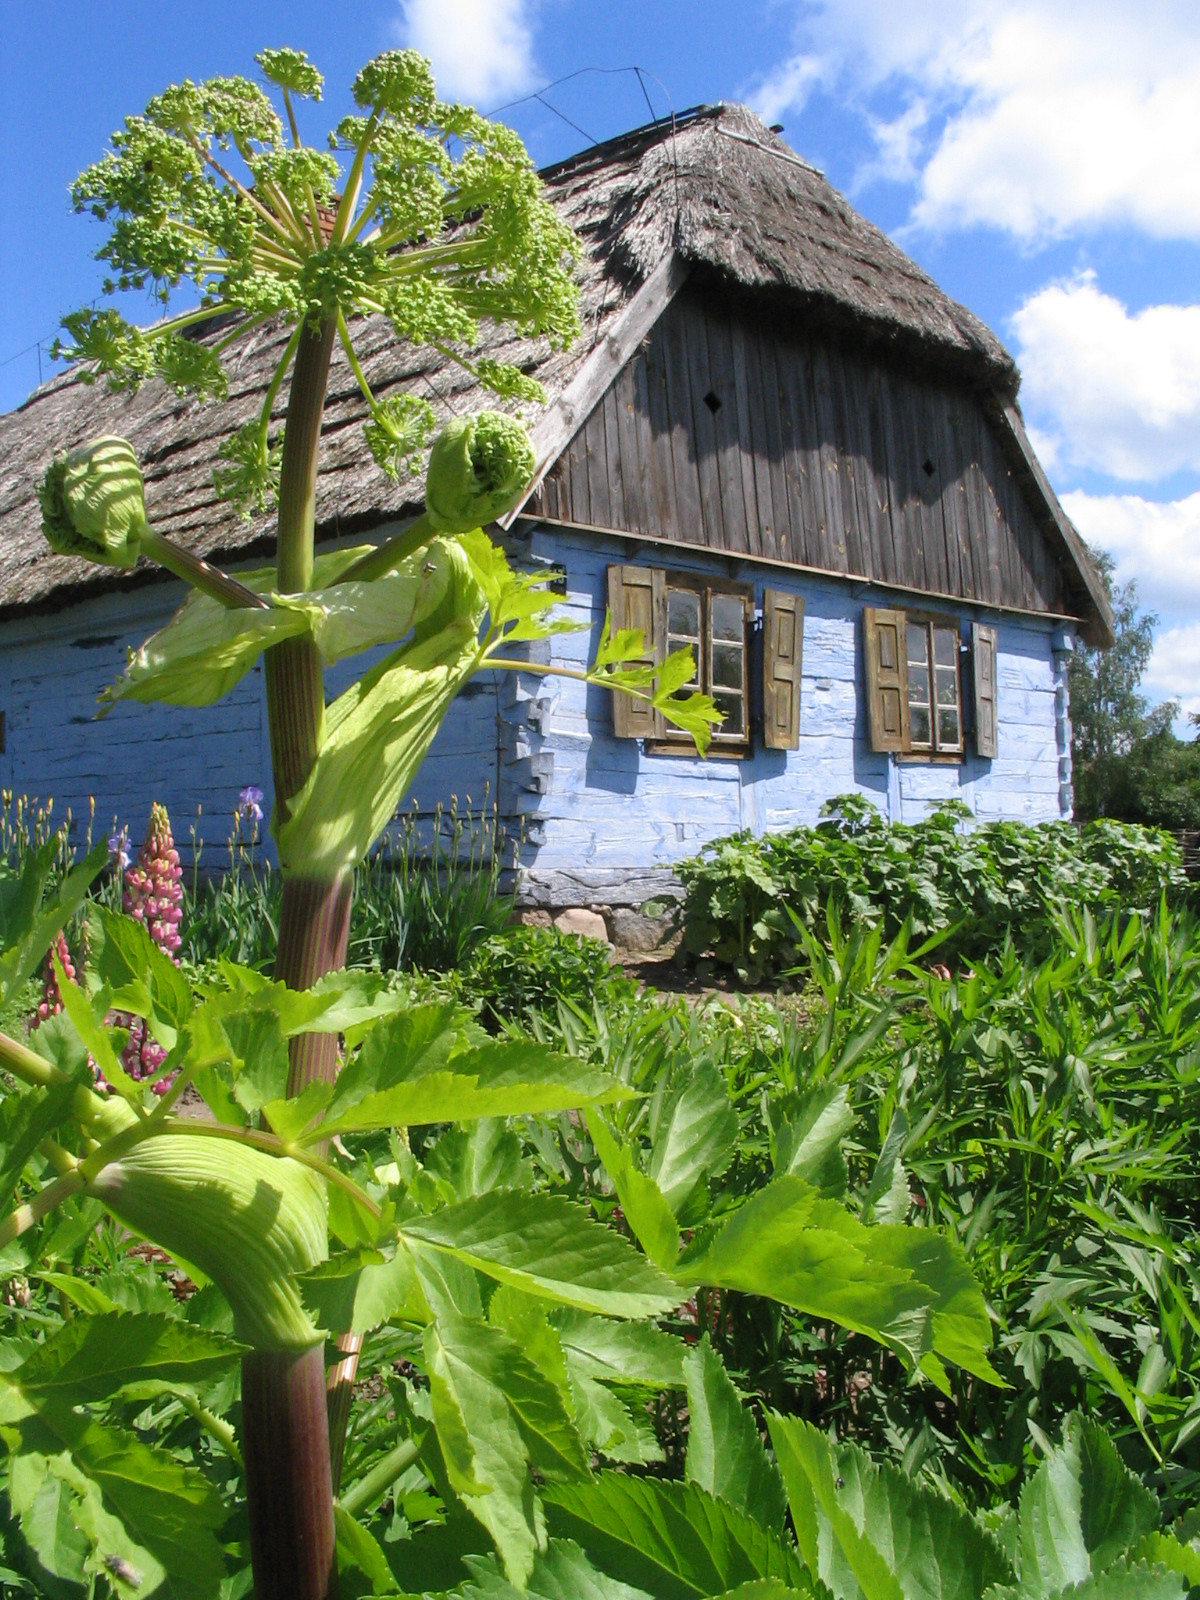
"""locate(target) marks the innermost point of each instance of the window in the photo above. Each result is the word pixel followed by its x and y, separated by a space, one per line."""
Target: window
pixel 714 620
pixel 712 624
pixel 934 700
pixel 914 671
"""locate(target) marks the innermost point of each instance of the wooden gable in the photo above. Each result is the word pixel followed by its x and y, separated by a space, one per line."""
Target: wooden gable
pixel 742 432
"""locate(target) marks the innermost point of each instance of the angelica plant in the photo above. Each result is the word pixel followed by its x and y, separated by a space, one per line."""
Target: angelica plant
pixel 427 215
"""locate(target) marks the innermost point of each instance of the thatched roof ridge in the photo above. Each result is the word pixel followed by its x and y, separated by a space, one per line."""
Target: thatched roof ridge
pixel 716 186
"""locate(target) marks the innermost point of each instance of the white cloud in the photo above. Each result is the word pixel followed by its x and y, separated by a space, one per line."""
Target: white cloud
pixel 1115 391
pixel 1156 542
pixel 481 50
pixel 1045 115
pixel 787 88
pixel 1174 669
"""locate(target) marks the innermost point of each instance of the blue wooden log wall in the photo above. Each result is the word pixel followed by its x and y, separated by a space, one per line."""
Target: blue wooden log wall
pixel 583 799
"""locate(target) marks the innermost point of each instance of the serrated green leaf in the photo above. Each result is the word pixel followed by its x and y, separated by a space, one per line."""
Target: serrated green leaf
pixel 1164 1550
pixel 1082 1510
pixel 470 1161
pixel 643 1202
pixel 482 1445
pixel 358 1551
pixel 671 1539
pixel 790 1245
pixel 807 1131
pixel 547 1246
pixel 91 1358
pixel 724 1452
pixel 870 1531
pixel 562 1572
pixel 695 1138
pixel 492 1080
pixel 621 1352
pixel 46 1508
pixel 25 1120
pixel 124 959
pixel 358 1292
pixel 961 1328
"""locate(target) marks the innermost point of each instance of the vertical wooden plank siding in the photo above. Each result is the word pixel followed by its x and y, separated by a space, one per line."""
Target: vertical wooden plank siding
pixel 815 455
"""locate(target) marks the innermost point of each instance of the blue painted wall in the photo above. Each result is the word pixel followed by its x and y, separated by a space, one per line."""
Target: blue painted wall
pixel 585 800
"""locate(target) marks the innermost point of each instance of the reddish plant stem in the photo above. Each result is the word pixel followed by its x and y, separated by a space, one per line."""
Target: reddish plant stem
pixel 285 1440
pixel 340 1393
pixel 285 1424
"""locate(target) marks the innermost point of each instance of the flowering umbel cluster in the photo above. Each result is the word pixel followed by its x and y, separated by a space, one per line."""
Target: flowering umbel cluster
pixel 419 211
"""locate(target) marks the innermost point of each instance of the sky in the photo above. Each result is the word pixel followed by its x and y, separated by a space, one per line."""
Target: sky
pixel 1040 158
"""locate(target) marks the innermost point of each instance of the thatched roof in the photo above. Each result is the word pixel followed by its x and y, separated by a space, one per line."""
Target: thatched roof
pixel 716 186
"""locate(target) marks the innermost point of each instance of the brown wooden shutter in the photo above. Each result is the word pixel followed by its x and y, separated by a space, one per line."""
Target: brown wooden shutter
pixel 637 598
pixel 886 655
pixel 783 657
pixel 983 662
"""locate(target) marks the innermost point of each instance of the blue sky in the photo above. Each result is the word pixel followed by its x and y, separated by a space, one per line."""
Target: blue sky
pixel 1041 158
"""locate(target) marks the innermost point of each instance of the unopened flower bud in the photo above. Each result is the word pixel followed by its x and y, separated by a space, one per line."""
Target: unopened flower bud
pixel 93 503
pixel 479 467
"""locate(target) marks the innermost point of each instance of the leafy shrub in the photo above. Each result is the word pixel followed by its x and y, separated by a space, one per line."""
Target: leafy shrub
pixel 747 897
pixel 523 970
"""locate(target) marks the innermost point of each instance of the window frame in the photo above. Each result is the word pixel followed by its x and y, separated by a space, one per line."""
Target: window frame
pixel 932 754
pixel 723 747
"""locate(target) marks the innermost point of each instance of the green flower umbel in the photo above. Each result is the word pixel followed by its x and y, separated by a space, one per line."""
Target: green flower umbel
pixel 94 505
pixel 479 468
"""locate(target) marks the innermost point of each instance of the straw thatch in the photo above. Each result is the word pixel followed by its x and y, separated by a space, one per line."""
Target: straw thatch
pixel 717 186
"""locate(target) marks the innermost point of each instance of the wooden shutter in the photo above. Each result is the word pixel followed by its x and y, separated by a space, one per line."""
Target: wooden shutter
pixel 783 656
pixel 886 654
pixel 637 598
pixel 983 662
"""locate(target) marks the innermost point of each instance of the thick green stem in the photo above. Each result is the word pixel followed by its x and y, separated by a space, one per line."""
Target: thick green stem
pixel 285 1425
pixel 381 1476
pixel 209 580
pixel 285 1443
pixel 391 553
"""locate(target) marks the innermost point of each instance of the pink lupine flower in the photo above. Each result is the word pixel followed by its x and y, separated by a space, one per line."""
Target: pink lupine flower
pixel 153 896
pixel 154 885
pixel 51 1002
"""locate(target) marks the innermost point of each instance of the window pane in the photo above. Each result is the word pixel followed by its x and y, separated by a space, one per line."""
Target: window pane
pixel 948 730
pixel 683 613
pixel 947 687
pixel 918 718
pixel 918 644
pixel 945 647
pixel 728 617
pixel 730 707
pixel 918 686
pixel 727 666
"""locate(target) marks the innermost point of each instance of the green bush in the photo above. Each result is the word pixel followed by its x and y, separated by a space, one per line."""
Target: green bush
pixel 524 970
pixel 971 889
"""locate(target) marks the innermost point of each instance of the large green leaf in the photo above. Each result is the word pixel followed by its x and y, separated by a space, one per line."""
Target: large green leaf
pixel 26 1117
pixel 1136 1580
pixel 548 1246
pixel 789 1244
pixel 621 1352
pixel 671 1539
pixel 807 1131
pixel 871 1532
pixel 695 1138
pixel 481 1439
pixel 724 1452
pixel 91 1358
pixel 123 958
pixel 1081 1511
pixel 357 1292
pixel 414 1070
pixel 561 1572
pixel 362 1565
pixel 961 1328
pixel 643 1202
pixel 140 1501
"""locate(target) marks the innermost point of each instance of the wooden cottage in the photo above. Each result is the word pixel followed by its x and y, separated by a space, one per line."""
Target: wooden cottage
pixel 778 442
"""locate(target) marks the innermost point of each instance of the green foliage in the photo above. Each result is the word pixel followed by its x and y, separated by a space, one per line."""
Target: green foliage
pixel 750 901
pixel 519 970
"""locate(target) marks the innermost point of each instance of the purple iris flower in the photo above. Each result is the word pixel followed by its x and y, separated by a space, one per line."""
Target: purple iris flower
pixel 118 847
pixel 250 803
